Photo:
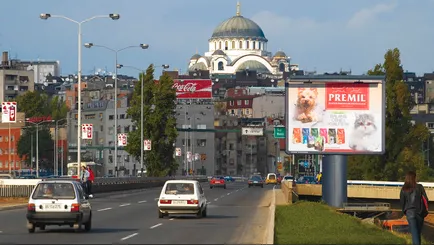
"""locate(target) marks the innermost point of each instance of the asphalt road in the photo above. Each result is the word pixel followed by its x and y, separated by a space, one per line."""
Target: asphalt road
pixel 132 218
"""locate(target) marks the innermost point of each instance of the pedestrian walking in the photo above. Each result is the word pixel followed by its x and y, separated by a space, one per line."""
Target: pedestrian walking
pixel 414 203
pixel 84 178
pixel 89 182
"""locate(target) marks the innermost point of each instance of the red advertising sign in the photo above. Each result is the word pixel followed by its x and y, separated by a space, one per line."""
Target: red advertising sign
pixel 193 88
pixel 341 96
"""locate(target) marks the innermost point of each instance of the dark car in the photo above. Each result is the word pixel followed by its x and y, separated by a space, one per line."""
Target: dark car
pixel 256 180
pixel 229 179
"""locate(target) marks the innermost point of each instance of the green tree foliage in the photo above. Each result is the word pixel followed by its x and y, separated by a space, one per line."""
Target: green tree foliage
pixel 404 141
pixel 159 123
pixel 37 104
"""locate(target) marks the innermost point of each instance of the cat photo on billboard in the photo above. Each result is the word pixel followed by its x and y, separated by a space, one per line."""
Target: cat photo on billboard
pixel 307 108
pixel 364 129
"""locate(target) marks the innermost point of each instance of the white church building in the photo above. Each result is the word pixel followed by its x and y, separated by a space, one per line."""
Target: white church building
pixel 239 44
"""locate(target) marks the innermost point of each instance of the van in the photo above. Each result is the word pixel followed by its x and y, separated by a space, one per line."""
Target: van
pixel 271 179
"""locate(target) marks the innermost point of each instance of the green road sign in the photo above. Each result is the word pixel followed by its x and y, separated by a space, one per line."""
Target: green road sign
pixel 279 132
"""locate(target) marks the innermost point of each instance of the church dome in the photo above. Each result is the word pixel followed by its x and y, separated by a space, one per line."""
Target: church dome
pixel 195 57
pixel 253 65
pixel 280 54
pixel 218 52
pixel 238 27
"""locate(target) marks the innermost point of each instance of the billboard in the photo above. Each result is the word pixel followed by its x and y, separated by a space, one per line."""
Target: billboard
pixel 86 131
pixel 9 112
pixel 193 88
pixel 122 139
pixel 335 117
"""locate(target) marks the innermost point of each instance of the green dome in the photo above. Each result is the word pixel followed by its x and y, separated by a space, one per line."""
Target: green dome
pixel 253 65
pixel 239 27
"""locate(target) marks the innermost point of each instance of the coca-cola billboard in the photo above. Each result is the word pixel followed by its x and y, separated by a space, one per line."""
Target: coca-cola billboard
pixel 193 88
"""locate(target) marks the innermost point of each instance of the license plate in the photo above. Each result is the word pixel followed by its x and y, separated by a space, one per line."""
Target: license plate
pixel 52 206
pixel 179 202
pixel 255 182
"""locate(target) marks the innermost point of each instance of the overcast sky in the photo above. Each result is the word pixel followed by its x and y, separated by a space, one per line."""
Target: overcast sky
pixel 318 35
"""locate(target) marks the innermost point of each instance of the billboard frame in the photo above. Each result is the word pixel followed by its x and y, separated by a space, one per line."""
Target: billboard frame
pixel 322 80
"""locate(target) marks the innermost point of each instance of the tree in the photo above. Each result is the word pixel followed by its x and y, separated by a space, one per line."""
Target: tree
pixel 36 104
pixel 403 139
pixel 159 123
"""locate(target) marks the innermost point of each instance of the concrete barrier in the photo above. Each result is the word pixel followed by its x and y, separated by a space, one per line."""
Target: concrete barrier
pixel 289 190
pixel 24 187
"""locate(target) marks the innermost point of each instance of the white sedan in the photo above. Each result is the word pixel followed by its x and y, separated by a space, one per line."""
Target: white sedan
pixel 182 197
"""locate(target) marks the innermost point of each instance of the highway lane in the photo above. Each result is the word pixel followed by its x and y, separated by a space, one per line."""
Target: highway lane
pixel 133 218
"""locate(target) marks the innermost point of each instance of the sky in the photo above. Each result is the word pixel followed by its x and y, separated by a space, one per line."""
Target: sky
pixel 318 35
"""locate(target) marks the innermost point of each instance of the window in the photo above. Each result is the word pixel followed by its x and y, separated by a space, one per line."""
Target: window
pixel 233 45
pixel 232 112
pixel 12 150
pixel 188 142
pixel 241 45
pixel 226 45
pixel 220 45
pixel 238 102
pixel 184 126
pixel 231 102
pixel 54 191
pixel 201 142
pixel 246 102
pixel 6 163
pixel 101 128
pixel 6 139
pixel 259 45
pixel 247 44
pixel 122 116
pixel 1 164
pixel 247 111
pixel 231 146
pixel 179 189
pixel 215 45
pixel 111 117
pixel 118 131
pixel 1 151
pixel 220 66
pixel 89 116
pixel 1 138
pixel 111 129
pixel 281 67
pixel 253 45
pixel 201 126
pixel 126 129
pixel 200 189
pixel 12 138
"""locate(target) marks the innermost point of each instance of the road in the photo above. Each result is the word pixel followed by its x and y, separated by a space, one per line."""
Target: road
pixel 236 215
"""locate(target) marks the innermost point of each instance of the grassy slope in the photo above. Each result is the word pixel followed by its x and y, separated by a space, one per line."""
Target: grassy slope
pixel 315 223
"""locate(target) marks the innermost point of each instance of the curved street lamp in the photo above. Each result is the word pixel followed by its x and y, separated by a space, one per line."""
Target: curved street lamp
pixel 112 16
pixel 117 66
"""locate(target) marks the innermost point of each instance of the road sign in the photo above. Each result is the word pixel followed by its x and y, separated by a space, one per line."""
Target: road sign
pixel 122 139
pixel 196 156
pixel 147 145
pixel 279 132
pixel 189 156
pixel 87 131
pixel 178 152
pixel 252 131
pixel 203 157
pixel 9 112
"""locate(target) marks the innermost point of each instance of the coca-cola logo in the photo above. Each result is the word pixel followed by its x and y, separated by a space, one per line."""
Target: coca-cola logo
pixel 187 87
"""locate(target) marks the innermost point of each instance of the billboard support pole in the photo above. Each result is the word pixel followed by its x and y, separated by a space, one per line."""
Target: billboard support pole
pixel 334 184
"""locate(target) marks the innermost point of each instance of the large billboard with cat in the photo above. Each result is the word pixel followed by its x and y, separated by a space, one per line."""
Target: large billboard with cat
pixel 345 116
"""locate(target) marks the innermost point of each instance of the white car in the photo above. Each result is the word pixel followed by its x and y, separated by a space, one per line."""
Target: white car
pixel 182 197
pixel 287 179
pixel 58 202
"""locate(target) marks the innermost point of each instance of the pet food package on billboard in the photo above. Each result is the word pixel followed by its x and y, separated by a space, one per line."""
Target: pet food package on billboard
pixel 335 117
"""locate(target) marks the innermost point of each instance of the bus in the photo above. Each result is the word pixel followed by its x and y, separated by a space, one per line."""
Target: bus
pixel 97 168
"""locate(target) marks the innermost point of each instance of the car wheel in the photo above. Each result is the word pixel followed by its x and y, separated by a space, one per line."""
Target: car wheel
pixel 42 227
pixel 88 224
pixel 160 214
pixel 199 214
pixel 262 186
pixel 31 227
pixel 204 214
pixel 224 187
pixel 210 186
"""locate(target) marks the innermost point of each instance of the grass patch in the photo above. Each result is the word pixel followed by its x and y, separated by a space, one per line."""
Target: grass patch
pixel 316 223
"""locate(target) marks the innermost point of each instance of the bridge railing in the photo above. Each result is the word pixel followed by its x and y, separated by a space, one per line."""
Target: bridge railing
pixel 24 187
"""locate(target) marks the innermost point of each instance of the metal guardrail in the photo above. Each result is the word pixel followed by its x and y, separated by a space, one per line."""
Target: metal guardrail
pixel 7 189
pixel 377 206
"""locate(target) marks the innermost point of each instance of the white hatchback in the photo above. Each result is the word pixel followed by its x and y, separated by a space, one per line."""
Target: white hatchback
pixel 182 197
pixel 58 202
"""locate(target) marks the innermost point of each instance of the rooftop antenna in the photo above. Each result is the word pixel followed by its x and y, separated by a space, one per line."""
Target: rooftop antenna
pixel 238 8
pixel 197 51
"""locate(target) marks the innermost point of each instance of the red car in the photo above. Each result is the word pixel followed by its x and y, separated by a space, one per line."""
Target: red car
pixel 217 182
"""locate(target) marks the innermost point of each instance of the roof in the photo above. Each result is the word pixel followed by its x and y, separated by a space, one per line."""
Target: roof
pixel 280 54
pixel 218 52
pixel 253 65
pixel 195 57
pixel 238 27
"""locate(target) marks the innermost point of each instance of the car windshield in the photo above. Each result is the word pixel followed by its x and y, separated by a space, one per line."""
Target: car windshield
pixel 288 177
pixel 179 189
pixel 54 191
pixel 219 177
pixel 256 178
pixel 272 176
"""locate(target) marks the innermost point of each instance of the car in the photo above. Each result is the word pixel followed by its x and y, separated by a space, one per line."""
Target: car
pixel 182 197
pixel 256 180
pixel 287 178
pixel 306 180
pixel 218 181
pixel 271 179
pixel 229 179
pixel 58 202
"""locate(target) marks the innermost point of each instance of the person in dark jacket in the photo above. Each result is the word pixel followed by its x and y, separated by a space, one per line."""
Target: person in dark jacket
pixel 413 205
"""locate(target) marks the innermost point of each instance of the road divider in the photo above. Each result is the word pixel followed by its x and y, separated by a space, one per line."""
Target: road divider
pixel 24 187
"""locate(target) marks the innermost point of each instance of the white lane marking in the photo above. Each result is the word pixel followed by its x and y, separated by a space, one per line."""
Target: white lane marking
pixel 155 226
pixel 104 209
pixel 124 205
pixel 171 218
pixel 142 201
pixel 215 200
pixel 228 194
pixel 128 237
pixel 1 231
pixel 222 196
pixel 208 202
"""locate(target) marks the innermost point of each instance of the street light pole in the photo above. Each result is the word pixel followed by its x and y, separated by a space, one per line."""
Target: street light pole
pixel 142 146
pixel 45 16
pixel 117 66
pixel 37 142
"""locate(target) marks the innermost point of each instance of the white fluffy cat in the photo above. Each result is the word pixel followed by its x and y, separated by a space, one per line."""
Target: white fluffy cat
pixel 361 138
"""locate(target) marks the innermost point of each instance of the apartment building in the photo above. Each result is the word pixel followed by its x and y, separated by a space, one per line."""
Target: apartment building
pixel 13 80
